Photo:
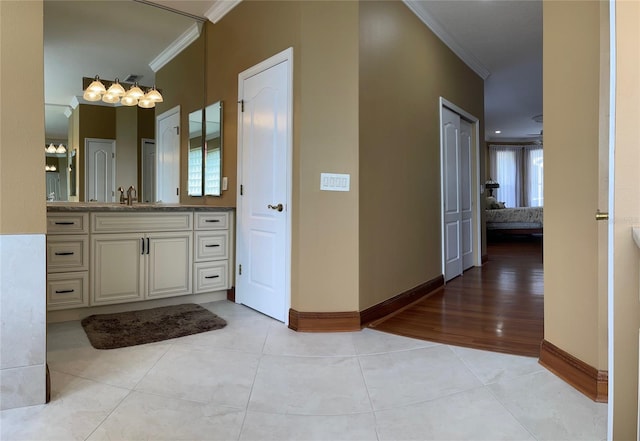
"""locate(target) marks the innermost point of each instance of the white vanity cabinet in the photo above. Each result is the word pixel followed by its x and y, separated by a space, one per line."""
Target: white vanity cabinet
pixel 67 260
pixel 153 262
pixel 212 251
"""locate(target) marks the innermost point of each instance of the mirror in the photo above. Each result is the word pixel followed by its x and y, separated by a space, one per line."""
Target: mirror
pixel 205 162
pixel 213 149
pixel 128 40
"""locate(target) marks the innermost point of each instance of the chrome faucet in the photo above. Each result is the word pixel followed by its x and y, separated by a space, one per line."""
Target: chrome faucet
pixel 132 195
pixel 122 198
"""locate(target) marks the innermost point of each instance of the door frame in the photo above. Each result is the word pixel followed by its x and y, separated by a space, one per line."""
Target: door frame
pixel 86 165
pixel 159 174
pixel 475 182
pixel 281 57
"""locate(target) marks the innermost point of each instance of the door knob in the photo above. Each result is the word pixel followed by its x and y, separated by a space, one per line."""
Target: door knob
pixel 278 207
pixel 601 215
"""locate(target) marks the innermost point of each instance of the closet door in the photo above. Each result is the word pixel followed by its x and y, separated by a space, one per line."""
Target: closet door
pixel 466 206
pixel 452 207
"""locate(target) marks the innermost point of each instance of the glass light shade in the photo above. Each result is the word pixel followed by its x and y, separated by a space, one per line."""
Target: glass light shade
pixel 96 86
pixel 47 168
pixel 61 149
pixel 146 103
pixel 91 96
pixel 51 148
pixel 135 92
pixel 116 89
pixel 154 95
pixel 128 101
pixel 110 98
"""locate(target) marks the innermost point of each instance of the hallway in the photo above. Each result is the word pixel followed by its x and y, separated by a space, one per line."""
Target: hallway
pixel 497 307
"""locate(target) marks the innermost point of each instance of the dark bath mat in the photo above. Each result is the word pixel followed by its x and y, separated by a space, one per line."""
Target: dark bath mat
pixel 110 331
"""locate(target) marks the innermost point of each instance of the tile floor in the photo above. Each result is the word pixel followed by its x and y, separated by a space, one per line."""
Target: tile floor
pixel 257 380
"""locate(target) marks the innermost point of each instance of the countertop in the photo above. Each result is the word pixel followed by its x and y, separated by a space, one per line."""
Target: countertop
pixel 102 207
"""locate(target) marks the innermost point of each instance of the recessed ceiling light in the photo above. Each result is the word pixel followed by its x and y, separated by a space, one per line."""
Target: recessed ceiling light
pixel 497 132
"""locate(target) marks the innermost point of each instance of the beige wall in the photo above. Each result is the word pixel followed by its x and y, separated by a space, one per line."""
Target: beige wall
pixel 571 68
pixel 126 147
pixel 324 248
pixel 404 69
pixel 182 82
pixel 23 201
pixel 626 281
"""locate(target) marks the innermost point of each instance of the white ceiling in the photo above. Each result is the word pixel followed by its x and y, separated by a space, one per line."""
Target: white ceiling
pixel 500 39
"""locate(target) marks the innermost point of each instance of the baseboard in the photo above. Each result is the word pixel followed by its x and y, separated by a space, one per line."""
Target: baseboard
pixel 396 303
pixel 324 321
pixel 231 294
pixel 590 381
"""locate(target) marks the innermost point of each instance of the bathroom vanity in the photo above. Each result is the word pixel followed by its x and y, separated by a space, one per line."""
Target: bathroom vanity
pixel 113 254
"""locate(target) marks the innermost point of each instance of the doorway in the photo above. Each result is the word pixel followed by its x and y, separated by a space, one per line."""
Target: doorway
pixel 148 171
pixel 263 247
pixel 168 156
pixel 460 177
pixel 101 170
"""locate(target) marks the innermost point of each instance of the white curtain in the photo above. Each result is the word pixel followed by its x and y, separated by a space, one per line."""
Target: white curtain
pixel 519 171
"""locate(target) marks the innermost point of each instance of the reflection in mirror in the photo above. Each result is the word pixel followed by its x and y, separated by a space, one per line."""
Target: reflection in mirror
pixel 195 153
pixel 213 149
pixel 127 43
pixel 209 159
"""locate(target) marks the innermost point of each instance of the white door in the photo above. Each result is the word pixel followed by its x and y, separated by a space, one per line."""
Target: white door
pixel 100 170
pixel 466 204
pixel 168 156
pixel 148 190
pixel 457 193
pixel 264 175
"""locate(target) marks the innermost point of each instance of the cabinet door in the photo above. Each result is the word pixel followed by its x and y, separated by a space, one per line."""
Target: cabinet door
pixel 170 264
pixel 117 268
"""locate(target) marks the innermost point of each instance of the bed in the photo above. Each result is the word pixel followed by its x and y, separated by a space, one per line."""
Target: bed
pixel 519 220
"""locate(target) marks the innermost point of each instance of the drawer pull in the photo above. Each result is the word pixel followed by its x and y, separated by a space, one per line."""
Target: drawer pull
pixel 65 223
pixel 211 277
pixel 64 291
pixel 64 253
pixel 213 245
pixel 212 220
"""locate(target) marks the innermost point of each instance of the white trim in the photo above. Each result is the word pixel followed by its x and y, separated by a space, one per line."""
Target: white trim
pixel 285 55
pixel 220 8
pixel 475 183
pixel 177 46
pixel 610 227
pixel 468 58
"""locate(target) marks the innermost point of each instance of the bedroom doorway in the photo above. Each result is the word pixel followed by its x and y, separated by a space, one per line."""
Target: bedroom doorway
pixel 460 178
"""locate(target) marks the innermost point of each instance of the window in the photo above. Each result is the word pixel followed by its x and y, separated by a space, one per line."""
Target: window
pixel 519 169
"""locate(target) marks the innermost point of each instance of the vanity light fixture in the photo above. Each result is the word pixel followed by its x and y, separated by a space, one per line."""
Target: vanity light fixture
pixel 61 149
pixel 116 92
pixel 50 149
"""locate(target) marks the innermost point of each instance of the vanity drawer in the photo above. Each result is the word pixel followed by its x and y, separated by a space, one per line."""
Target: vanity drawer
pixel 212 220
pixel 67 253
pixel 211 245
pixel 67 290
pixel 210 276
pixel 146 222
pixel 67 223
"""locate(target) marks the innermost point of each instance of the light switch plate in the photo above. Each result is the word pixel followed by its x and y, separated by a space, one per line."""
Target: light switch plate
pixel 335 182
pixel 224 183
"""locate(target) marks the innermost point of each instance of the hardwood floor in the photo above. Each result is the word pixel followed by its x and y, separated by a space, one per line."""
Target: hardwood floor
pixel 497 307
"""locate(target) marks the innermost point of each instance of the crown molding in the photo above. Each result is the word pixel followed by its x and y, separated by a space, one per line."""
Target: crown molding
pixel 178 45
pixel 220 8
pixel 469 59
